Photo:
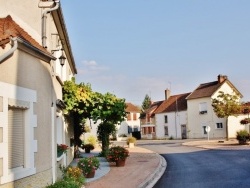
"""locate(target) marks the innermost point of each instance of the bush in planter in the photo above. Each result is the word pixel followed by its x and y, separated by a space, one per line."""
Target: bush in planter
pixel 72 178
pixel 88 164
pixel 131 140
pixel 88 147
pixel 116 153
pixel 242 136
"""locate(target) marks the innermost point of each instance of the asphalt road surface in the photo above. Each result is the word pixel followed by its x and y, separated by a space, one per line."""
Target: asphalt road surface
pixel 190 167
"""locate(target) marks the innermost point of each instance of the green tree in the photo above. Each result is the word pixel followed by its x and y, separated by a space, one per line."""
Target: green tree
pixel 145 105
pixel 111 111
pixel 79 104
pixel 226 105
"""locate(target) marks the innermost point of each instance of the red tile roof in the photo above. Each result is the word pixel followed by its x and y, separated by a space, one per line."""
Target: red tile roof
pixel 205 90
pixel 9 28
pixel 153 107
pixel 132 108
pixel 173 103
pixel 208 89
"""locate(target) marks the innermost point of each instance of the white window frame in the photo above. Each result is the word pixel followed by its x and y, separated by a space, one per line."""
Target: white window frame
pixel 220 124
pixel 203 108
pixel 14 96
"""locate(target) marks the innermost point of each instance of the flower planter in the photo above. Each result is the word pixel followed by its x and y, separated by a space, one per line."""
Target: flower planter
pixel 87 150
pixel 120 163
pixel 91 174
pixel 131 145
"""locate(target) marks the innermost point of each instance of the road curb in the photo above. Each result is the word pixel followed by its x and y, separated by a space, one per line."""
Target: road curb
pixel 156 175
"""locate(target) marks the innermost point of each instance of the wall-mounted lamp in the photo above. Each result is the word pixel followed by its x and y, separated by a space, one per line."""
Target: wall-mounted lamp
pixel 62 59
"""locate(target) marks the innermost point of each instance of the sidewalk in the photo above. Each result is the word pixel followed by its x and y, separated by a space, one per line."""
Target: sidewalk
pixel 143 169
pixel 217 144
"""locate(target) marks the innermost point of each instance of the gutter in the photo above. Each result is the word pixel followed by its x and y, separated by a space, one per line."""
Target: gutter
pixel 44 17
pixel 11 51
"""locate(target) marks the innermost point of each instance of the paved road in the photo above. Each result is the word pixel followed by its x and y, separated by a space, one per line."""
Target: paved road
pixel 190 167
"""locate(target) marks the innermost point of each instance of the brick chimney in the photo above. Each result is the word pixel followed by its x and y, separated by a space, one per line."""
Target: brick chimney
pixel 221 78
pixel 167 94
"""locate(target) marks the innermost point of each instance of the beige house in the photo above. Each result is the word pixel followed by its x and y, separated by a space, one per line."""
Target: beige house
pixel 33 45
pixel 201 114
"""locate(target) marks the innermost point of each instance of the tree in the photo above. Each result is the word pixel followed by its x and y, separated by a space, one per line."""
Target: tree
pixel 226 105
pixel 82 103
pixel 79 104
pixel 145 105
pixel 111 111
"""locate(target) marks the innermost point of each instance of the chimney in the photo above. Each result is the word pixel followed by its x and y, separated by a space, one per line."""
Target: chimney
pixel 167 94
pixel 221 78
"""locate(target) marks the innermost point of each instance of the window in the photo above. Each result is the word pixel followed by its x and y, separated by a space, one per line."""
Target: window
pixel 16 137
pixel 166 119
pixel 204 129
pixel 219 125
pixel 166 130
pixel 203 108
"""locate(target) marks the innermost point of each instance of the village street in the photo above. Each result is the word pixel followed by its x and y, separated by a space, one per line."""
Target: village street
pixel 189 166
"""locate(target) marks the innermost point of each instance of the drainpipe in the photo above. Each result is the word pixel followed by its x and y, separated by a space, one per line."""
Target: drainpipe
pixel 44 17
pixel 11 51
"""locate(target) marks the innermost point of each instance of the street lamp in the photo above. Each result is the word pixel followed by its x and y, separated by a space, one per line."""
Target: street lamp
pixel 62 60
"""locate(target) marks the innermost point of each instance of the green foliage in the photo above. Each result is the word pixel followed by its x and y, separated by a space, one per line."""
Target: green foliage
pixel 146 103
pixel 117 152
pixel 242 136
pixel 131 140
pixel 72 178
pixel 88 164
pixel 91 140
pixel 226 105
pixel 81 103
pixel 64 184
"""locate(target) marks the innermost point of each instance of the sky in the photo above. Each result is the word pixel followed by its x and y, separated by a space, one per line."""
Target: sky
pixel 136 47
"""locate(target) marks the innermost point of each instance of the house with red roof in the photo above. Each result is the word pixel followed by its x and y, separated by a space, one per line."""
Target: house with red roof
pixel 202 121
pixel 35 60
pixel 171 117
pixel 131 122
pixel 148 122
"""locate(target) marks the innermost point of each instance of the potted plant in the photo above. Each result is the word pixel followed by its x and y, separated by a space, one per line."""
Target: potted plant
pixel 118 155
pixel 131 142
pixel 242 136
pixel 88 147
pixel 61 149
pixel 89 165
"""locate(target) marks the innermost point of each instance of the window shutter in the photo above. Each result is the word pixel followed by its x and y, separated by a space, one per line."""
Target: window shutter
pixel 134 116
pixel 16 137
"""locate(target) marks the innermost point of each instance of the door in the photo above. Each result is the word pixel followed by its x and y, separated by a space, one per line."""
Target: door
pixel 183 132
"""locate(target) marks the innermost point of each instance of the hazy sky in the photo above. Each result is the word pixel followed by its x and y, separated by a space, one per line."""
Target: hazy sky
pixel 136 47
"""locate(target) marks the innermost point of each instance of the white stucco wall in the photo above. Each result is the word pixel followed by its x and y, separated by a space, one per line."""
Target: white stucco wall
pixel 175 120
pixel 196 121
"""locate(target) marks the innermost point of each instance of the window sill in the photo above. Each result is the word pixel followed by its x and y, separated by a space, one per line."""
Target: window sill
pixel 60 158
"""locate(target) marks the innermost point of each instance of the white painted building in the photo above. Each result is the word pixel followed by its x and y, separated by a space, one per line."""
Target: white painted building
pixel 171 117
pixel 32 34
pixel 201 114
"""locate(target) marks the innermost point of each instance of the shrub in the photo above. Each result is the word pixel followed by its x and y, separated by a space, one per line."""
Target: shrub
pixel 65 184
pixel 91 140
pixel 117 152
pixel 73 174
pixel 131 140
pixel 242 136
pixel 88 146
pixel 88 164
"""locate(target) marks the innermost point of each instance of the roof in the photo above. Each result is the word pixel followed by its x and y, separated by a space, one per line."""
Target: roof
pixel 9 28
pixel 208 89
pixel 153 107
pixel 173 103
pixel 132 108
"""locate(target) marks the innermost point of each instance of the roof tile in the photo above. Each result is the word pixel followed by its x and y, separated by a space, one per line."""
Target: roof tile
pixel 9 28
